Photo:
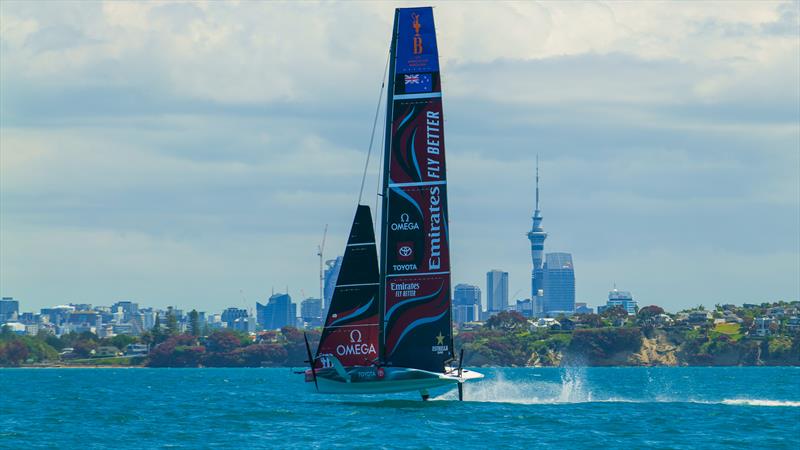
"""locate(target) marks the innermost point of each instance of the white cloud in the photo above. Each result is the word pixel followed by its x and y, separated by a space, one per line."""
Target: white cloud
pixel 226 135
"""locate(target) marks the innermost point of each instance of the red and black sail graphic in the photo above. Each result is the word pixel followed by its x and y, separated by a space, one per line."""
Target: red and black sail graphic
pixel 351 328
pixel 415 261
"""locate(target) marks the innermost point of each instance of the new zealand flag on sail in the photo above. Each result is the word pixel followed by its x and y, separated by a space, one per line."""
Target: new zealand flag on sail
pixel 418 82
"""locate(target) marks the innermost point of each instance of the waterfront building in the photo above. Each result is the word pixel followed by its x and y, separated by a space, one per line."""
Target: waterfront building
pixel 278 312
pixel 230 315
pixel 537 237
pixel 331 274
pixel 764 325
pixel 9 309
pixel 699 316
pixel 496 291
pixel 466 303
pixel 558 284
pixel 137 350
pixel 311 312
pixel 623 299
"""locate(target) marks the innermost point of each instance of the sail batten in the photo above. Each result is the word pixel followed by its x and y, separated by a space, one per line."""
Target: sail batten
pixel 415 252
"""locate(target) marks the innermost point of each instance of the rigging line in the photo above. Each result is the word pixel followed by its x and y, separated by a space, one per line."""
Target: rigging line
pixel 374 125
pixel 379 185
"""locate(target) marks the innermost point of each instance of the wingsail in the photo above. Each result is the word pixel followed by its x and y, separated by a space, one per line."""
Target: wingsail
pixel 415 258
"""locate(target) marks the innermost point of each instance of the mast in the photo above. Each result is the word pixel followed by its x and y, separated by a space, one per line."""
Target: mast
pixel 385 188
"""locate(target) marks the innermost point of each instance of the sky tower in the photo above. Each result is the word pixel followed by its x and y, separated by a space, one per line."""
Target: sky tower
pixel 537 237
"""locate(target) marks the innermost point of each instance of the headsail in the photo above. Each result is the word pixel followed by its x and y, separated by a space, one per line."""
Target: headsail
pixel 351 327
pixel 415 265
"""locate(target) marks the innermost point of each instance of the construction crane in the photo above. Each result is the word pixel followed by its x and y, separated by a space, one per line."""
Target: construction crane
pixel 320 249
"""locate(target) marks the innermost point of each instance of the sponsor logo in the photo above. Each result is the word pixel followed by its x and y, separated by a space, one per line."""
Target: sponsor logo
pixel 405 251
pixel 325 359
pixel 405 224
pixel 417 41
pixel 401 290
pixel 365 373
pixel 380 372
pixel 440 346
pixel 404 267
pixel 356 347
pixel 435 234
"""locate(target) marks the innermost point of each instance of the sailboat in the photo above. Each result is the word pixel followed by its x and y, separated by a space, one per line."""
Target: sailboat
pixel 389 326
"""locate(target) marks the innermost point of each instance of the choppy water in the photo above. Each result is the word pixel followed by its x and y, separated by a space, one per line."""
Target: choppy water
pixel 270 408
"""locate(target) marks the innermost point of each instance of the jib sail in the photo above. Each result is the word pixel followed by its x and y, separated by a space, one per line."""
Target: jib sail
pixel 351 327
pixel 415 256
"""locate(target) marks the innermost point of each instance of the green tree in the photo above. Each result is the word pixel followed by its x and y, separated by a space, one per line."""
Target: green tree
pixel 157 334
pixel 222 341
pixel 123 340
pixel 507 320
pixel 13 353
pixel 172 322
pixel 194 321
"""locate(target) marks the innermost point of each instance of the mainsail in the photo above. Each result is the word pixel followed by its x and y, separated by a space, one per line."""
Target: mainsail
pixel 351 327
pixel 415 258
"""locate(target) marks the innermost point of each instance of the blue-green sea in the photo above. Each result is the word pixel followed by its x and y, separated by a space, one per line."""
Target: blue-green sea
pixel 737 407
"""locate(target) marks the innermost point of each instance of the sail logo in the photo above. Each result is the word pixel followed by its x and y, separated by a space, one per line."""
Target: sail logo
pixel 402 290
pixel 405 224
pixel 405 251
pixel 417 40
pixel 435 234
pixel 325 359
pixel 356 347
pixel 440 346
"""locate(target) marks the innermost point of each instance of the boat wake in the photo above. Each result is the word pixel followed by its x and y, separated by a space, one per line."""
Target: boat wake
pixel 758 402
pixel 573 389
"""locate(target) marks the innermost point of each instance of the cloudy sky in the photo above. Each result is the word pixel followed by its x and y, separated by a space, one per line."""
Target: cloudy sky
pixel 192 153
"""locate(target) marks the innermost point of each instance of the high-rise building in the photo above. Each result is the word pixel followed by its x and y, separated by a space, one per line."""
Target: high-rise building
pixel 278 312
pixel 525 307
pixel 537 304
pixel 57 314
pixel 558 284
pixel 9 309
pixel 537 237
pixel 330 275
pixel 466 303
pixel 623 299
pixel 230 315
pixel 129 309
pixel 496 291
pixel 311 312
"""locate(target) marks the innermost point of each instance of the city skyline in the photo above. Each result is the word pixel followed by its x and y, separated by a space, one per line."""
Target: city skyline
pixel 139 161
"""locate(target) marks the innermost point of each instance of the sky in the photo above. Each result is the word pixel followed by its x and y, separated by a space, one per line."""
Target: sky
pixel 191 154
